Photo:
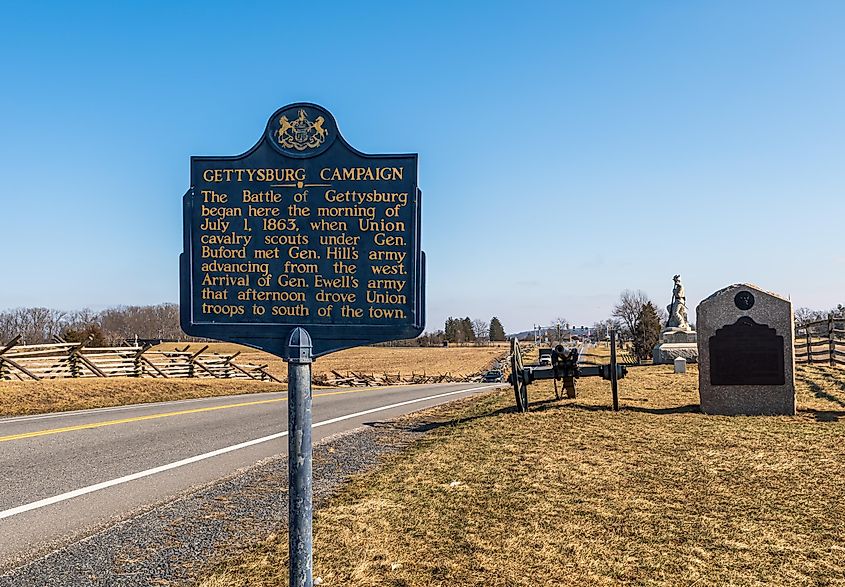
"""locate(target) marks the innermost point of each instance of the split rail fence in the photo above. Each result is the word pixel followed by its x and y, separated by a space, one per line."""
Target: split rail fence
pixel 361 379
pixel 821 341
pixel 62 359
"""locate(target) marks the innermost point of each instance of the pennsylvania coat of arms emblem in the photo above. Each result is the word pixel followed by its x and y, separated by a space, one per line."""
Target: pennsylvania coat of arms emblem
pixel 300 133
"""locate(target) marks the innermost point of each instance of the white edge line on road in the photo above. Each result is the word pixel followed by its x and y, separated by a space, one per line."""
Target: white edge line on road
pixel 160 469
pixel 91 411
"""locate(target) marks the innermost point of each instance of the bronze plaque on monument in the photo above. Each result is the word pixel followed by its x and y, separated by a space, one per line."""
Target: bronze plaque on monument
pixel 746 353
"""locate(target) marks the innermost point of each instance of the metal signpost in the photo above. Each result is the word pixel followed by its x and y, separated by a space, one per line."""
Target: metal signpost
pixel 300 492
pixel 614 375
pixel 300 247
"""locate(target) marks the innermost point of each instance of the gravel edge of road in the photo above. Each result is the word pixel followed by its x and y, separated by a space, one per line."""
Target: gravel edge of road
pixel 174 542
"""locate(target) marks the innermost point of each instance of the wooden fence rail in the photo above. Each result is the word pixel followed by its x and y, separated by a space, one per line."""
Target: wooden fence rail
pixel 821 341
pixel 362 379
pixel 63 359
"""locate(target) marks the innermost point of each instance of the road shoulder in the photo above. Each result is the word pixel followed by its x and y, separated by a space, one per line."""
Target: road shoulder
pixel 179 540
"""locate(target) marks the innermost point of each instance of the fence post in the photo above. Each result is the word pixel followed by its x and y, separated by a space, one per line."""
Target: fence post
pixel 5 371
pixel 809 347
pixel 614 376
pixel 73 363
pixel 137 365
pixel 73 356
pixel 831 342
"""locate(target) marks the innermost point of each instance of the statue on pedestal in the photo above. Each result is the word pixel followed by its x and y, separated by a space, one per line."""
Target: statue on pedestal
pixel 678 308
pixel 678 339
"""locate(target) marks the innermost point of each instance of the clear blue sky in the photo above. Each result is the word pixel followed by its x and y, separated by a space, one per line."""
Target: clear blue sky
pixel 567 150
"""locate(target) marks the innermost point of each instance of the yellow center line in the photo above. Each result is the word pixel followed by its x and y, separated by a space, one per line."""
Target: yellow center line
pixel 50 431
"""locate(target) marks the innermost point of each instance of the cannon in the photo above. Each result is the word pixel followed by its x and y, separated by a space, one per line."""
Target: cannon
pixel 564 368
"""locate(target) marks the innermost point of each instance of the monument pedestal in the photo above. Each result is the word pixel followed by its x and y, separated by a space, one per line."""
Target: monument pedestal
pixel 674 343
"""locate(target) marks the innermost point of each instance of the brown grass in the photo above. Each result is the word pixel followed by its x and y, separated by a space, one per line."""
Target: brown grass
pixel 33 397
pixel 574 494
pixel 433 360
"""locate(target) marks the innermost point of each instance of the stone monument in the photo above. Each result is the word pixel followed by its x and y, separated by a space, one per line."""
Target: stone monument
pixel 746 356
pixel 678 339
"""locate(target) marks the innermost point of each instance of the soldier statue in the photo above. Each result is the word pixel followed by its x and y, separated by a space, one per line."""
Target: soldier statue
pixel 678 308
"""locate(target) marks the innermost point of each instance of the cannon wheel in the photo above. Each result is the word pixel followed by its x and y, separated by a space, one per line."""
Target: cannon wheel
pixel 517 377
pixel 557 391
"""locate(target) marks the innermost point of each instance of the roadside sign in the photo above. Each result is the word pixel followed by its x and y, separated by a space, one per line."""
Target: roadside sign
pixel 303 230
pixel 302 246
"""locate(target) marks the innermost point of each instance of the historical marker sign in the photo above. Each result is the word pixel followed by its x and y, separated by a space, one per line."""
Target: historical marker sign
pixel 303 230
pixel 302 246
pixel 746 361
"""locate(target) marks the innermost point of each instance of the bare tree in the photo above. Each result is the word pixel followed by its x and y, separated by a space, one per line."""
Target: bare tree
pixel 116 324
pixel 127 322
pixel 81 319
pixel 603 328
pixel 804 315
pixel 628 309
pixel 557 329
pixel 7 327
pixel 35 325
pixel 481 328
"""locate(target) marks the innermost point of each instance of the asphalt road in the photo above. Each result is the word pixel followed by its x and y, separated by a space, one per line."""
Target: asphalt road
pixel 66 475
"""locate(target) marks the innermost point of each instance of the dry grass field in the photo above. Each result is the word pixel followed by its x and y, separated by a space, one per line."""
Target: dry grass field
pixel 33 397
pixel 19 398
pixel 574 494
pixel 454 359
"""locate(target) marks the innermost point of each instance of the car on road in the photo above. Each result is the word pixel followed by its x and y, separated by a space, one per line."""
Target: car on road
pixel 493 376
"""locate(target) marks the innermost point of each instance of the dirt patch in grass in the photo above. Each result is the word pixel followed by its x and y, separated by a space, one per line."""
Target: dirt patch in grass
pixel 574 494
pixel 19 398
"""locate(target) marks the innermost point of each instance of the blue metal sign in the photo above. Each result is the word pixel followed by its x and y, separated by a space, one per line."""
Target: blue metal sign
pixel 304 231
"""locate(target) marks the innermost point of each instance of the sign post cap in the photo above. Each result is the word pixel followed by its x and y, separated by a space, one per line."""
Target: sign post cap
pixel 299 346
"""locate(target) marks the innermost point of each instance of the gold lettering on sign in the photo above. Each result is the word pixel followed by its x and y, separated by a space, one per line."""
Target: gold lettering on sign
pixel 277 245
pixel 362 173
pixel 253 175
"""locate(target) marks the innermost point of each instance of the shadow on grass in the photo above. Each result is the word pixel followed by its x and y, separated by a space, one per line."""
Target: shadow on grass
pixel 538 406
pixel 419 427
pixel 820 392
pixel 687 409
pixel 823 415
pixel 552 404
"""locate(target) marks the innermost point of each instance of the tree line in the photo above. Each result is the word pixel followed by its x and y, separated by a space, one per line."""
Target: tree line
pixel 466 330
pixel 106 328
pixel 117 324
pixel 804 315
pixel 459 331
